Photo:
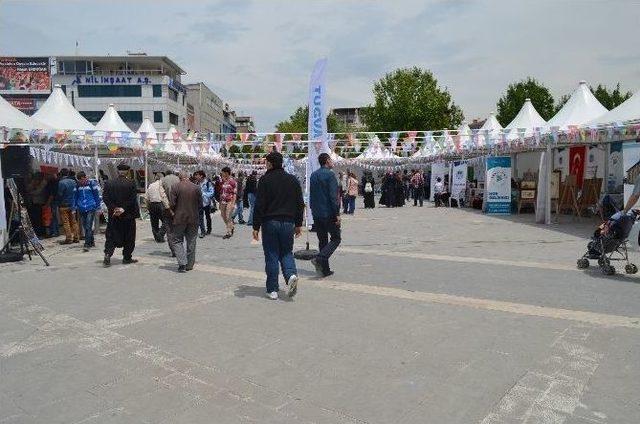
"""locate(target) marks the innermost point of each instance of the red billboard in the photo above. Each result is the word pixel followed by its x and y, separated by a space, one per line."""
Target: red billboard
pixel 22 75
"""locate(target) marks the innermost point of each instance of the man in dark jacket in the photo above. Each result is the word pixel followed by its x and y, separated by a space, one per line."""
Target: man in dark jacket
pixel 279 211
pixel 121 197
pixel 323 199
pixel 186 201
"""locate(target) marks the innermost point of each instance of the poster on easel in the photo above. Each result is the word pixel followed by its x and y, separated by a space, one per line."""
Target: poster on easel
pixel 615 181
pixel 458 179
pixel 499 185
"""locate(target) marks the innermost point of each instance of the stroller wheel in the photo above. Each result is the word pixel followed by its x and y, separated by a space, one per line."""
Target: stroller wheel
pixel 583 263
pixel 608 270
pixel 601 261
pixel 631 269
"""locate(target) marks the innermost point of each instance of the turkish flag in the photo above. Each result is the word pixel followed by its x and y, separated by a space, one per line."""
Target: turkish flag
pixel 577 157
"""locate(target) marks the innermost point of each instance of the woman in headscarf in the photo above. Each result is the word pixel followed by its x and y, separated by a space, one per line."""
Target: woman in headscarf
pixel 398 187
pixel 368 189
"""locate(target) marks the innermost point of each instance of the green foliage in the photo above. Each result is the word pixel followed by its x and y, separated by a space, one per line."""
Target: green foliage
pixel 410 99
pixel 298 123
pixel 610 98
pixel 512 100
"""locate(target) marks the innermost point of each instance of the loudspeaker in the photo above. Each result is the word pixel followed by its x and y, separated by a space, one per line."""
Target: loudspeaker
pixel 16 164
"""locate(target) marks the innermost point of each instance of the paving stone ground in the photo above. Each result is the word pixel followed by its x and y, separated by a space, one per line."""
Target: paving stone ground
pixel 433 316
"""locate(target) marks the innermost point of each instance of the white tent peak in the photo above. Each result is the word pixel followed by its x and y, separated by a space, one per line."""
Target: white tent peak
pixel 581 108
pixel 148 128
pixel 629 110
pixel 376 150
pixel 58 113
pixel 11 117
pixel 528 118
pixel 492 123
pixel 111 121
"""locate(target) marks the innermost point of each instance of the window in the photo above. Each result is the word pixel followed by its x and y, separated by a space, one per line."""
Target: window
pixel 157 116
pixel 173 118
pixel 173 95
pixel 92 116
pixel 109 91
pixel 131 116
pixel 157 90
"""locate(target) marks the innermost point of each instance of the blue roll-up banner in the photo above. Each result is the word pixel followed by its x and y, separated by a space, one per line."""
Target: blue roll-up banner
pixel 499 185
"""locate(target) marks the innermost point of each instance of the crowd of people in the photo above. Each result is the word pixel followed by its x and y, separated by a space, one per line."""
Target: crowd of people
pixel 181 205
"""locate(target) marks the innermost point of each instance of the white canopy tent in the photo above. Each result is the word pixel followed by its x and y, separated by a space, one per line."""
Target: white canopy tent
pixel 11 117
pixel 147 128
pixel 581 108
pixel 627 111
pixel 58 113
pixel 111 121
pixel 492 125
pixel 528 118
pixel 375 150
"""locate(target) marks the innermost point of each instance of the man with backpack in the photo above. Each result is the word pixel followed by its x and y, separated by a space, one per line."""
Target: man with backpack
pixel 87 202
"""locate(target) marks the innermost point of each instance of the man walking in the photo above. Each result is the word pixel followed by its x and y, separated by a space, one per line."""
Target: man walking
pixel 87 201
pixel 156 210
pixel 228 194
pixel 239 211
pixel 65 200
pixel 279 211
pixel 186 200
pixel 121 198
pixel 206 187
pixel 169 181
pixel 325 209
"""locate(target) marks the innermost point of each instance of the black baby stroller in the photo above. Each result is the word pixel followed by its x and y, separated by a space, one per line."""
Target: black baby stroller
pixel 609 243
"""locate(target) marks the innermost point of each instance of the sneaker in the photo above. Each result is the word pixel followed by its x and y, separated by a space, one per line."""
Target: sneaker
pixel 242 221
pixel 66 242
pixel 317 266
pixel 129 261
pixel 273 295
pixel 202 235
pixel 226 236
pixel 106 262
pixel 293 285
pixel 182 269
pixel 327 274
pixel 85 249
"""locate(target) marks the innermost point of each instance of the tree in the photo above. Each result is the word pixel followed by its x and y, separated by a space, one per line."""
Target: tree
pixel 297 122
pixel 511 102
pixel 410 99
pixel 608 98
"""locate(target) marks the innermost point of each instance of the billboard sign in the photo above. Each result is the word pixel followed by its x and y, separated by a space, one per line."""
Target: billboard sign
pixel 25 75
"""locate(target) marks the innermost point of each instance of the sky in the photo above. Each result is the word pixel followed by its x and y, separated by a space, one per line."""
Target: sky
pixel 258 55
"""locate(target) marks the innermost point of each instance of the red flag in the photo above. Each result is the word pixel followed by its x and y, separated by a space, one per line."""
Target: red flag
pixel 577 157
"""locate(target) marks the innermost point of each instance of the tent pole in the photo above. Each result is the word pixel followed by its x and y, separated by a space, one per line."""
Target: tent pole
pixel 547 200
pixel 95 162
pixel 4 228
pixel 146 172
pixel 605 177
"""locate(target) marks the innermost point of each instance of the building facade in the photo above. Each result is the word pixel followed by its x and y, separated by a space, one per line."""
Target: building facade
pixel 350 116
pixel 140 87
pixel 229 124
pixel 244 124
pixel 208 112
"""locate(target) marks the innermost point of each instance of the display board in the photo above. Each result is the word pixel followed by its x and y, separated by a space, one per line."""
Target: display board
pixel 616 169
pixel 458 179
pixel 499 185
pixel 25 75
pixel 631 165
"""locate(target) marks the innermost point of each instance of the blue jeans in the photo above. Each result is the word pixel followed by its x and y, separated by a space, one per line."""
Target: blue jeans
pixel 54 228
pixel 326 227
pixel 351 204
pixel 277 243
pixel 251 197
pixel 86 218
pixel 239 211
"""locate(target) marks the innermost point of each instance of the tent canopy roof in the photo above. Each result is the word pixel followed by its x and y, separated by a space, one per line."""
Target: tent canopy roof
pixel 111 121
pixel 13 118
pixel 58 113
pixel 581 108
pixel 492 123
pixel 627 111
pixel 527 118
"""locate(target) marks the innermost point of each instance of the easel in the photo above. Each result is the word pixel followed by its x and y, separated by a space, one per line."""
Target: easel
pixel 568 197
pixel 590 193
pixel 24 232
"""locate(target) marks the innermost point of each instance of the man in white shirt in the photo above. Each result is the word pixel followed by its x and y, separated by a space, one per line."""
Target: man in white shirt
pixel 153 197
pixel 438 190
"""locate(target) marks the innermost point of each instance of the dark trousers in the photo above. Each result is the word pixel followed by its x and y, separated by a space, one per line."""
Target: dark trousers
pixel 277 244
pixel 345 203
pixel 157 220
pixel 418 196
pixel 351 204
pixel 205 215
pixel 168 222
pixel 120 233
pixel 326 227
pixel 87 218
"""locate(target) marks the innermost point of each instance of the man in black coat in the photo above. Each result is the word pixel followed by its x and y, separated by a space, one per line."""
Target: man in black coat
pixel 121 197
